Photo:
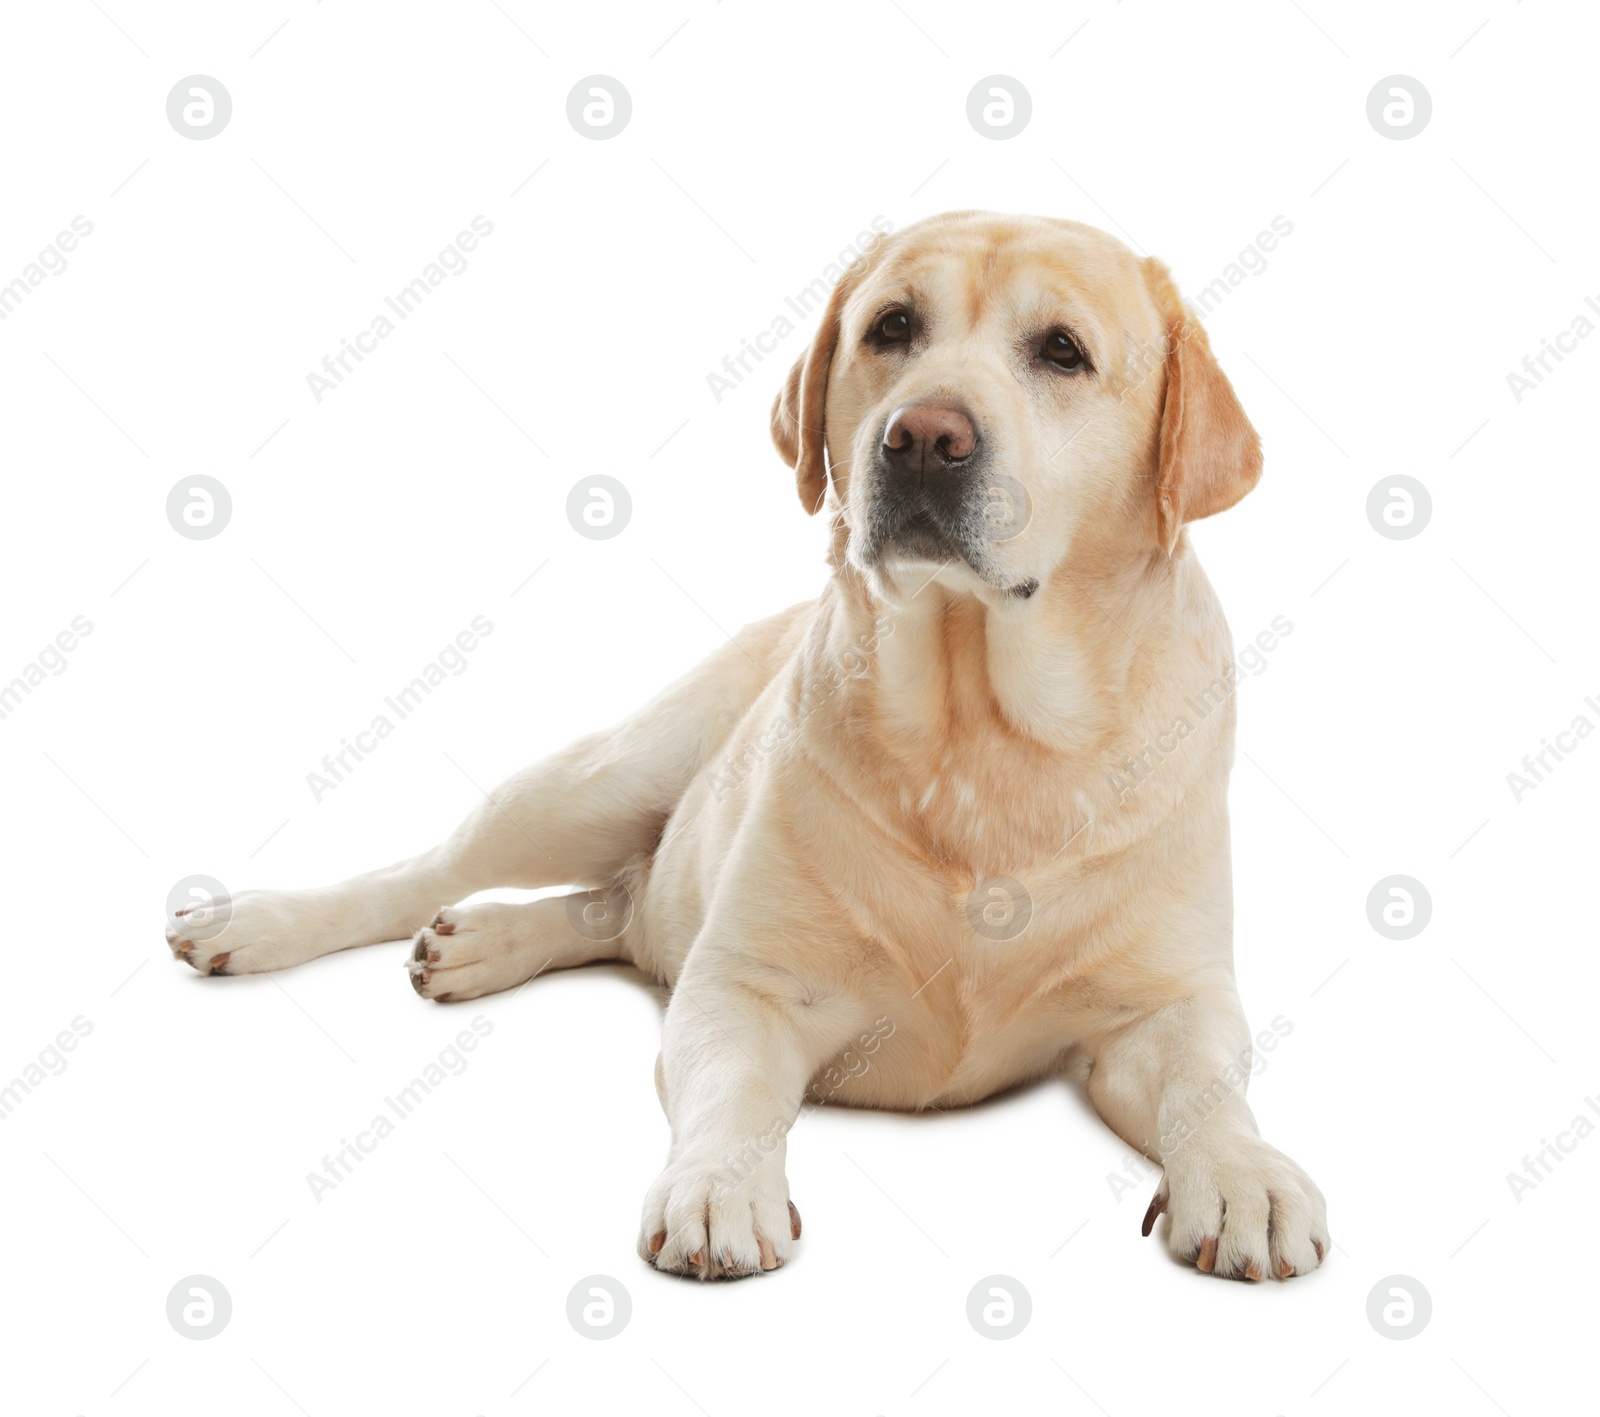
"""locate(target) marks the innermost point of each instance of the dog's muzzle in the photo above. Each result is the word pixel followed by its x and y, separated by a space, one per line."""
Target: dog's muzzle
pixel 934 497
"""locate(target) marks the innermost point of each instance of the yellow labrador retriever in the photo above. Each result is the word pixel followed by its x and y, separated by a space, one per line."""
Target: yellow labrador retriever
pixel 910 844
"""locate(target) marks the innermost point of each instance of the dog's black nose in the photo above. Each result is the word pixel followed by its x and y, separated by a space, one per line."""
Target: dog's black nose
pixel 928 437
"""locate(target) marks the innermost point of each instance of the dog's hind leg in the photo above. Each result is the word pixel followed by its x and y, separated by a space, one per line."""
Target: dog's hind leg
pixel 579 817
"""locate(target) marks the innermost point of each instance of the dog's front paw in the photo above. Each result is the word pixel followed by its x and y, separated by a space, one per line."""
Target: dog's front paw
pixel 472 950
pixel 1240 1208
pixel 717 1220
pixel 249 933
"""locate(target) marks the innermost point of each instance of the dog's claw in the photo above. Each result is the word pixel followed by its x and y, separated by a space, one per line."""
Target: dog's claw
pixel 794 1223
pixel 1158 1203
pixel 1206 1260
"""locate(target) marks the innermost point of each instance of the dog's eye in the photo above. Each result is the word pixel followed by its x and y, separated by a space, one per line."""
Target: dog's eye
pixel 892 327
pixel 1062 350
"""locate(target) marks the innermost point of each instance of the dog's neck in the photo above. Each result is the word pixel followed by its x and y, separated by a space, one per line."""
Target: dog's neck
pixel 1054 669
pixel 996 722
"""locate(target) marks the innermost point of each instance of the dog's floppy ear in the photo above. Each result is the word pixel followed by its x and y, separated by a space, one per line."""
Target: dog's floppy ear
pixel 1210 455
pixel 799 416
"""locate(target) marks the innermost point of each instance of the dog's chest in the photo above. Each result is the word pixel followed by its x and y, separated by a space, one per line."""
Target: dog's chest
pixel 994 808
pixel 984 990
pixel 976 1026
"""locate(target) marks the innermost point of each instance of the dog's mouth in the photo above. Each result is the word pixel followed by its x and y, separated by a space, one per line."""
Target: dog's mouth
pixel 910 525
pixel 919 537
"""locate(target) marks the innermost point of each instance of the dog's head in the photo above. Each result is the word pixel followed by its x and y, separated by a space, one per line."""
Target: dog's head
pixel 996 395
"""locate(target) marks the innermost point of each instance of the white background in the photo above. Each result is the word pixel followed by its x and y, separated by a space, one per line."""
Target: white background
pixel 369 529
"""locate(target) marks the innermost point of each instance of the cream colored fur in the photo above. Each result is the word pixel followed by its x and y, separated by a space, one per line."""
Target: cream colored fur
pixel 801 832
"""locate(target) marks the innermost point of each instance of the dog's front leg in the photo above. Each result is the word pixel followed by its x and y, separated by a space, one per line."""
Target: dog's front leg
pixel 1173 1085
pixel 741 1041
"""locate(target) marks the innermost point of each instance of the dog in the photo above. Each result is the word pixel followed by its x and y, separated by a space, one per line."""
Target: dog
pixel 895 847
